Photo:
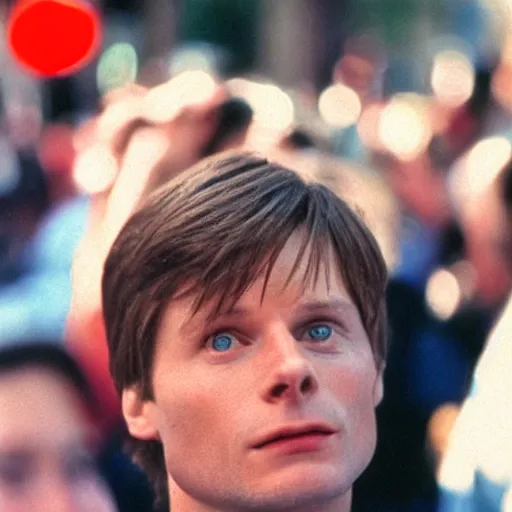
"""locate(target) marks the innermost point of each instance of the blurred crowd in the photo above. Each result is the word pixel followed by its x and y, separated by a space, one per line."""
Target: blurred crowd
pixel 430 171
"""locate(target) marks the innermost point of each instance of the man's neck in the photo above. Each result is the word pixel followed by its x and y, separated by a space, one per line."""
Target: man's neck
pixel 181 502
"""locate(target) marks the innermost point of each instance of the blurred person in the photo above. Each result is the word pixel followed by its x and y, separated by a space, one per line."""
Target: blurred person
pixel 24 199
pixel 48 439
pixel 475 473
pixel 478 207
pixel 361 66
pixel 461 126
pixel 493 274
pixel 426 216
pixel 432 235
pixel 245 315
pixel 39 232
pixel 50 240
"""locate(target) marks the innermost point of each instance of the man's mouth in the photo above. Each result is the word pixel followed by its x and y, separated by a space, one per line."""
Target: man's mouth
pixel 289 433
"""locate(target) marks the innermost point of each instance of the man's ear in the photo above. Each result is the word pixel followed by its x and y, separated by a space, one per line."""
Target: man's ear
pixel 378 385
pixel 139 415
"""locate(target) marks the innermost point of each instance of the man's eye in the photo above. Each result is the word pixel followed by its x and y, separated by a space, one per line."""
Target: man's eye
pixel 222 342
pixel 320 332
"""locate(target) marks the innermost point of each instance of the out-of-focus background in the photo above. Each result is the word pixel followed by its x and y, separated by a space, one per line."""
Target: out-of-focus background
pixel 403 106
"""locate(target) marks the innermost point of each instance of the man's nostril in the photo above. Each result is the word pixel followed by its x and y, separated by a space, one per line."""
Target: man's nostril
pixel 279 390
pixel 306 384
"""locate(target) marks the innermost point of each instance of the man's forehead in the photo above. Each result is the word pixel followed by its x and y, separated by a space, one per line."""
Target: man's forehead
pixel 298 275
pixel 306 303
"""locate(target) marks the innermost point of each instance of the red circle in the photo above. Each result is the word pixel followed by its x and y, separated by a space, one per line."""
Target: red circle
pixel 54 37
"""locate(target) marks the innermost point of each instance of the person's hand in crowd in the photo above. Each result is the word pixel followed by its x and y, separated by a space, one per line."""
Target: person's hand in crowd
pixel 137 129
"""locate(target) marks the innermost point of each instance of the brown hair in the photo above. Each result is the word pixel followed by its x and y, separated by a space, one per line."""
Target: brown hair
pixel 210 233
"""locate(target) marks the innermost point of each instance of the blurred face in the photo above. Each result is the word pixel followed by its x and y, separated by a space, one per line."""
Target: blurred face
pixel 271 405
pixel 45 461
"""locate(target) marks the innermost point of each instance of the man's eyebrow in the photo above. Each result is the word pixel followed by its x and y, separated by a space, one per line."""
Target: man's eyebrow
pixel 235 311
pixel 338 304
pixel 308 306
pixel 197 320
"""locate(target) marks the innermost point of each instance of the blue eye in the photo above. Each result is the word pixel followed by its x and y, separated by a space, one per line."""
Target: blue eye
pixel 222 342
pixel 320 332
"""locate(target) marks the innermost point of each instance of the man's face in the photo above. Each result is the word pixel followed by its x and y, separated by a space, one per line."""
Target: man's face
pixel 46 461
pixel 270 406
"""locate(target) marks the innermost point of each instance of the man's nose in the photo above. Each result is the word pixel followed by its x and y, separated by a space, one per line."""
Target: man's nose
pixel 290 373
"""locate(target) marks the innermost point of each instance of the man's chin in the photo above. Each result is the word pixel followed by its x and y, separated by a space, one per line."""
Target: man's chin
pixel 296 486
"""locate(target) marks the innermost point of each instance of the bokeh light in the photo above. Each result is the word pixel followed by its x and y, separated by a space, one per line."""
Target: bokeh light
pixel 452 78
pixel 443 293
pixel 195 57
pixel 118 65
pixel 339 106
pixel 477 169
pixel 95 169
pixel 486 160
pixel 405 127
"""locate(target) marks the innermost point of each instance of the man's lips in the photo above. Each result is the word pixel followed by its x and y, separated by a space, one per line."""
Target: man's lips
pixel 294 431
